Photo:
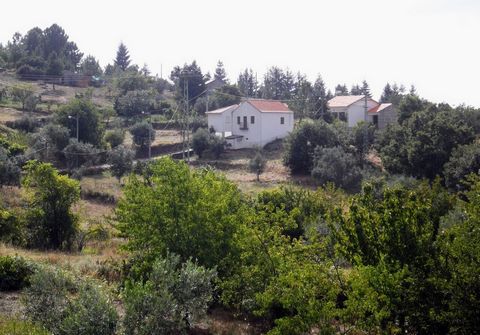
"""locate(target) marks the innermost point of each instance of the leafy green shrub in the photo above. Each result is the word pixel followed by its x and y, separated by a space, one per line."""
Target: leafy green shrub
pixel 15 273
pixel 465 159
pixel 115 137
pixel 217 146
pixel 174 296
pixel 64 305
pixel 20 327
pixel 336 166
pixel 79 154
pixel 257 164
pixel 140 132
pixel 27 124
pixel 301 143
pixel 121 161
pixel 10 228
pixel 200 141
pixel 49 219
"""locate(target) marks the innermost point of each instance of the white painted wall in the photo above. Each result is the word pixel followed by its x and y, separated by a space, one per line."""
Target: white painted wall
pixel 355 112
pixel 272 129
pixel 253 135
pixel 266 128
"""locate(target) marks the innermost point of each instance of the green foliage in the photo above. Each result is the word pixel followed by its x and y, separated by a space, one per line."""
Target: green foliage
pixel 423 144
pixel 122 61
pixel 189 75
pixel 277 84
pixel 217 146
pixel 142 133
pixel 115 137
pixel 27 124
pixel 49 219
pixel 461 256
pixel 392 240
pixel 79 154
pixel 20 327
pixel 10 227
pixel 247 83
pixel 131 81
pixel 9 169
pixel 90 129
pixel 465 159
pixel 52 136
pixel 133 103
pixel 409 105
pixel 65 305
pixel 121 161
pixel 192 213
pixel 11 148
pixel 15 273
pixel 201 141
pixel 257 164
pixel 224 96
pixel 21 93
pixel 363 137
pixel 301 143
pixel 90 66
pixel 336 166
pixel 173 297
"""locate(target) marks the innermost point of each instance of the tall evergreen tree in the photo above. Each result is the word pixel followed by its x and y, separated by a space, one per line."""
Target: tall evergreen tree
pixel 356 90
pixel 247 83
pixel 278 84
pixel 123 58
pixel 366 89
pixel 220 72
pixel 387 93
pixel 319 99
pixel 341 90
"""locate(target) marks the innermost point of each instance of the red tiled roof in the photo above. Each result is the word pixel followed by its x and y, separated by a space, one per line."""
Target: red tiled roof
pixel 379 108
pixel 269 105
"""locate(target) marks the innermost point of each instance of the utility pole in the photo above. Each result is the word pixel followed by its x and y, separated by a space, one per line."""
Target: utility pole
pixel 365 135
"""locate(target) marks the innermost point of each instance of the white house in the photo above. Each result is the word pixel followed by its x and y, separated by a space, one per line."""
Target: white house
pixel 253 122
pixel 351 108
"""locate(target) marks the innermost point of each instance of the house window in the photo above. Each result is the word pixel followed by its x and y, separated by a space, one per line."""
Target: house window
pixel 238 119
pixel 282 120
pixel 245 125
pixel 252 119
pixel 342 116
pixel 375 120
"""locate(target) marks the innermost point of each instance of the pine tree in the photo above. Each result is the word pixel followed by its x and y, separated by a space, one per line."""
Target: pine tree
pixel 320 98
pixel 387 93
pixel 220 72
pixel 341 90
pixel 356 90
pixel 247 83
pixel 366 89
pixel 123 58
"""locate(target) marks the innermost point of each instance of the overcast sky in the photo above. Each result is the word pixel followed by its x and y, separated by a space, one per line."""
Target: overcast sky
pixel 433 44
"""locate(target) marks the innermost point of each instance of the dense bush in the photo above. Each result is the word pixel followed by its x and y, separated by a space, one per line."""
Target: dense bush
pixel 140 133
pixel 80 154
pixel 115 137
pixel 27 124
pixel 65 305
pixel 20 327
pixel 15 273
pixel 465 159
pixel 53 137
pixel 121 161
pixel 422 145
pixel 173 297
pixel 201 141
pixel 49 219
pixel 301 143
pixel 10 169
pixel 193 213
pixel 336 166
pixel 90 128
pixel 10 228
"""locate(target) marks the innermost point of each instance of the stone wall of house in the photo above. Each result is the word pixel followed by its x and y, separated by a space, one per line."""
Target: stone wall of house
pixel 387 116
